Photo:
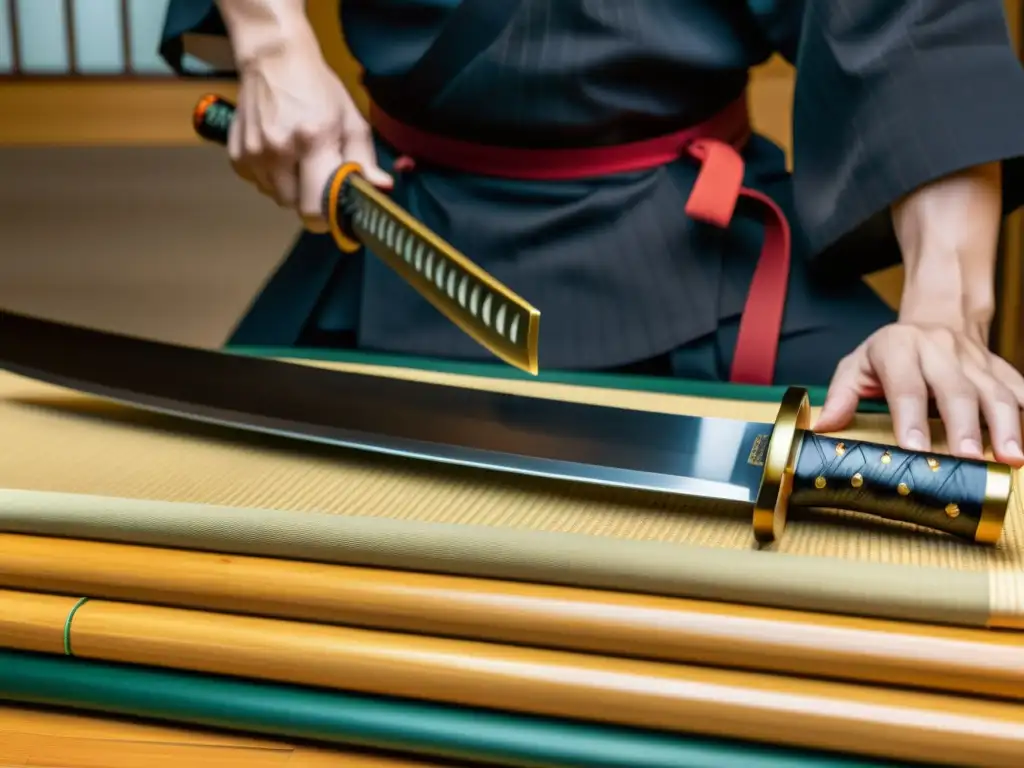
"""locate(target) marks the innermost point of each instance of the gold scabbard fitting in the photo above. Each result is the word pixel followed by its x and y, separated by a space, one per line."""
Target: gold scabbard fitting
pixel 999 492
pixel 793 420
pixel 343 241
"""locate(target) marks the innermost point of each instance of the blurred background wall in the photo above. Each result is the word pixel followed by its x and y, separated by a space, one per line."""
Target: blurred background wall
pixel 113 214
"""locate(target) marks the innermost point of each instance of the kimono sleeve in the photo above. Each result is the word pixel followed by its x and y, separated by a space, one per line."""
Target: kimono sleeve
pixel 890 95
pixel 195 41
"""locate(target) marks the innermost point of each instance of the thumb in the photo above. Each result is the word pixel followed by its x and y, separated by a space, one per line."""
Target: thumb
pixel 359 149
pixel 844 394
pixel 316 169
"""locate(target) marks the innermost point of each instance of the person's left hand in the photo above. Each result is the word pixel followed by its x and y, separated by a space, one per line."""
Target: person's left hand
pixel 906 362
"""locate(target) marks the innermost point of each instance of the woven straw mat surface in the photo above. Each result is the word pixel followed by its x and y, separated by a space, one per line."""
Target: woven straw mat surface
pixel 58 440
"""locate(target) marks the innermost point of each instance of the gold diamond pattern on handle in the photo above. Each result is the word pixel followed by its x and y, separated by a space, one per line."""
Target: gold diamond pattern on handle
pixel 485 309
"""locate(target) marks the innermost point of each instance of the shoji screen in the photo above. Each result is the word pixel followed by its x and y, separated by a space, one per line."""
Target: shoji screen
pixel 81 37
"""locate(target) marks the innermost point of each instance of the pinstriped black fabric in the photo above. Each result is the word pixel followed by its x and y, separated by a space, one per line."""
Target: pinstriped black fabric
pixel 890 94
pixel 618 272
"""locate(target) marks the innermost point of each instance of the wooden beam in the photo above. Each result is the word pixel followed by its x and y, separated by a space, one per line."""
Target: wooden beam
pixel 91 111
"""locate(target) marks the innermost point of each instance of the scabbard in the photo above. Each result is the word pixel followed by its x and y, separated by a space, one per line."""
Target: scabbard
pixel 865 720
pixel 619 624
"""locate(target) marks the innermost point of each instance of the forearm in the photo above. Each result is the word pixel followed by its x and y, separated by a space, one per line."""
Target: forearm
pixel 948 233
pixel 259 27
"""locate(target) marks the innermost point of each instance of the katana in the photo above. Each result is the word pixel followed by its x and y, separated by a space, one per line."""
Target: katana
pixel 768 468
pixel 358 214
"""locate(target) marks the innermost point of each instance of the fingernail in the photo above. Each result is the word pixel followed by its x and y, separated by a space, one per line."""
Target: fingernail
pixel 1012 448
pixel 915 440
pixel 970 447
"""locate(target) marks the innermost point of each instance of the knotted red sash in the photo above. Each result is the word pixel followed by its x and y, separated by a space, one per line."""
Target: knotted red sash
pixel 714 144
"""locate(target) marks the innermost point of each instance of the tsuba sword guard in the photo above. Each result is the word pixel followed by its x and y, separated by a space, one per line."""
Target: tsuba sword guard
pixel 772 502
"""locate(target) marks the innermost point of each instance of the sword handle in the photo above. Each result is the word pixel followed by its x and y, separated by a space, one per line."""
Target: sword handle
pixel 212 118
pixel 965 498
pixel 357 213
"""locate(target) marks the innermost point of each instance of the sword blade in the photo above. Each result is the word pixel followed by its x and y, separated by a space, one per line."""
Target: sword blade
pixel 485 309
pixel 684 455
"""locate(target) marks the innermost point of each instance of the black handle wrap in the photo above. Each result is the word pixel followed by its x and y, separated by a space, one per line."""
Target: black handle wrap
pixel 938 492
pixel 212 119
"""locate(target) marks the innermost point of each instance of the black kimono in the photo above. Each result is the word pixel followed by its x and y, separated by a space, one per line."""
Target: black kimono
pixel 889 95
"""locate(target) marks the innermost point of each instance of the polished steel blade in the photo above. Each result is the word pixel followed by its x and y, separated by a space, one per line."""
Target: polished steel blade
pixel 703 457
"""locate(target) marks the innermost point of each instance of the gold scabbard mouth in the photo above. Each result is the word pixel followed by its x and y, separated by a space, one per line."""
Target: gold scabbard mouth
pixel 345 243
pixel 1000 494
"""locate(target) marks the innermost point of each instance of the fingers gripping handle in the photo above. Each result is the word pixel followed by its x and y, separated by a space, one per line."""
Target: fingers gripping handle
pixel 212 118
pixel 965 498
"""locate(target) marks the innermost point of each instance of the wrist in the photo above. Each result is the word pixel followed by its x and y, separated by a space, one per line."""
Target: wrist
pixel 261 28
pixel 939 291
pixel 948 233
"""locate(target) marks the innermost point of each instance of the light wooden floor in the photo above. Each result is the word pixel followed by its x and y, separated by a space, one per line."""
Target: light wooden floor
pixel 160 241
pixel 113 214
pixel 45 739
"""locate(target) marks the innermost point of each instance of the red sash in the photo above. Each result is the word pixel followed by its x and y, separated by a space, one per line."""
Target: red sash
pixel 714 145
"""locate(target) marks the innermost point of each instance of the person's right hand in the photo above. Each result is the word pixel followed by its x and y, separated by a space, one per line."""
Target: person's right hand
pixel 295 125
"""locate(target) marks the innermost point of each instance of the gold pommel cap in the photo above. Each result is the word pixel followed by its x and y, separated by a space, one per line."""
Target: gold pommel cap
pixel 1000 493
